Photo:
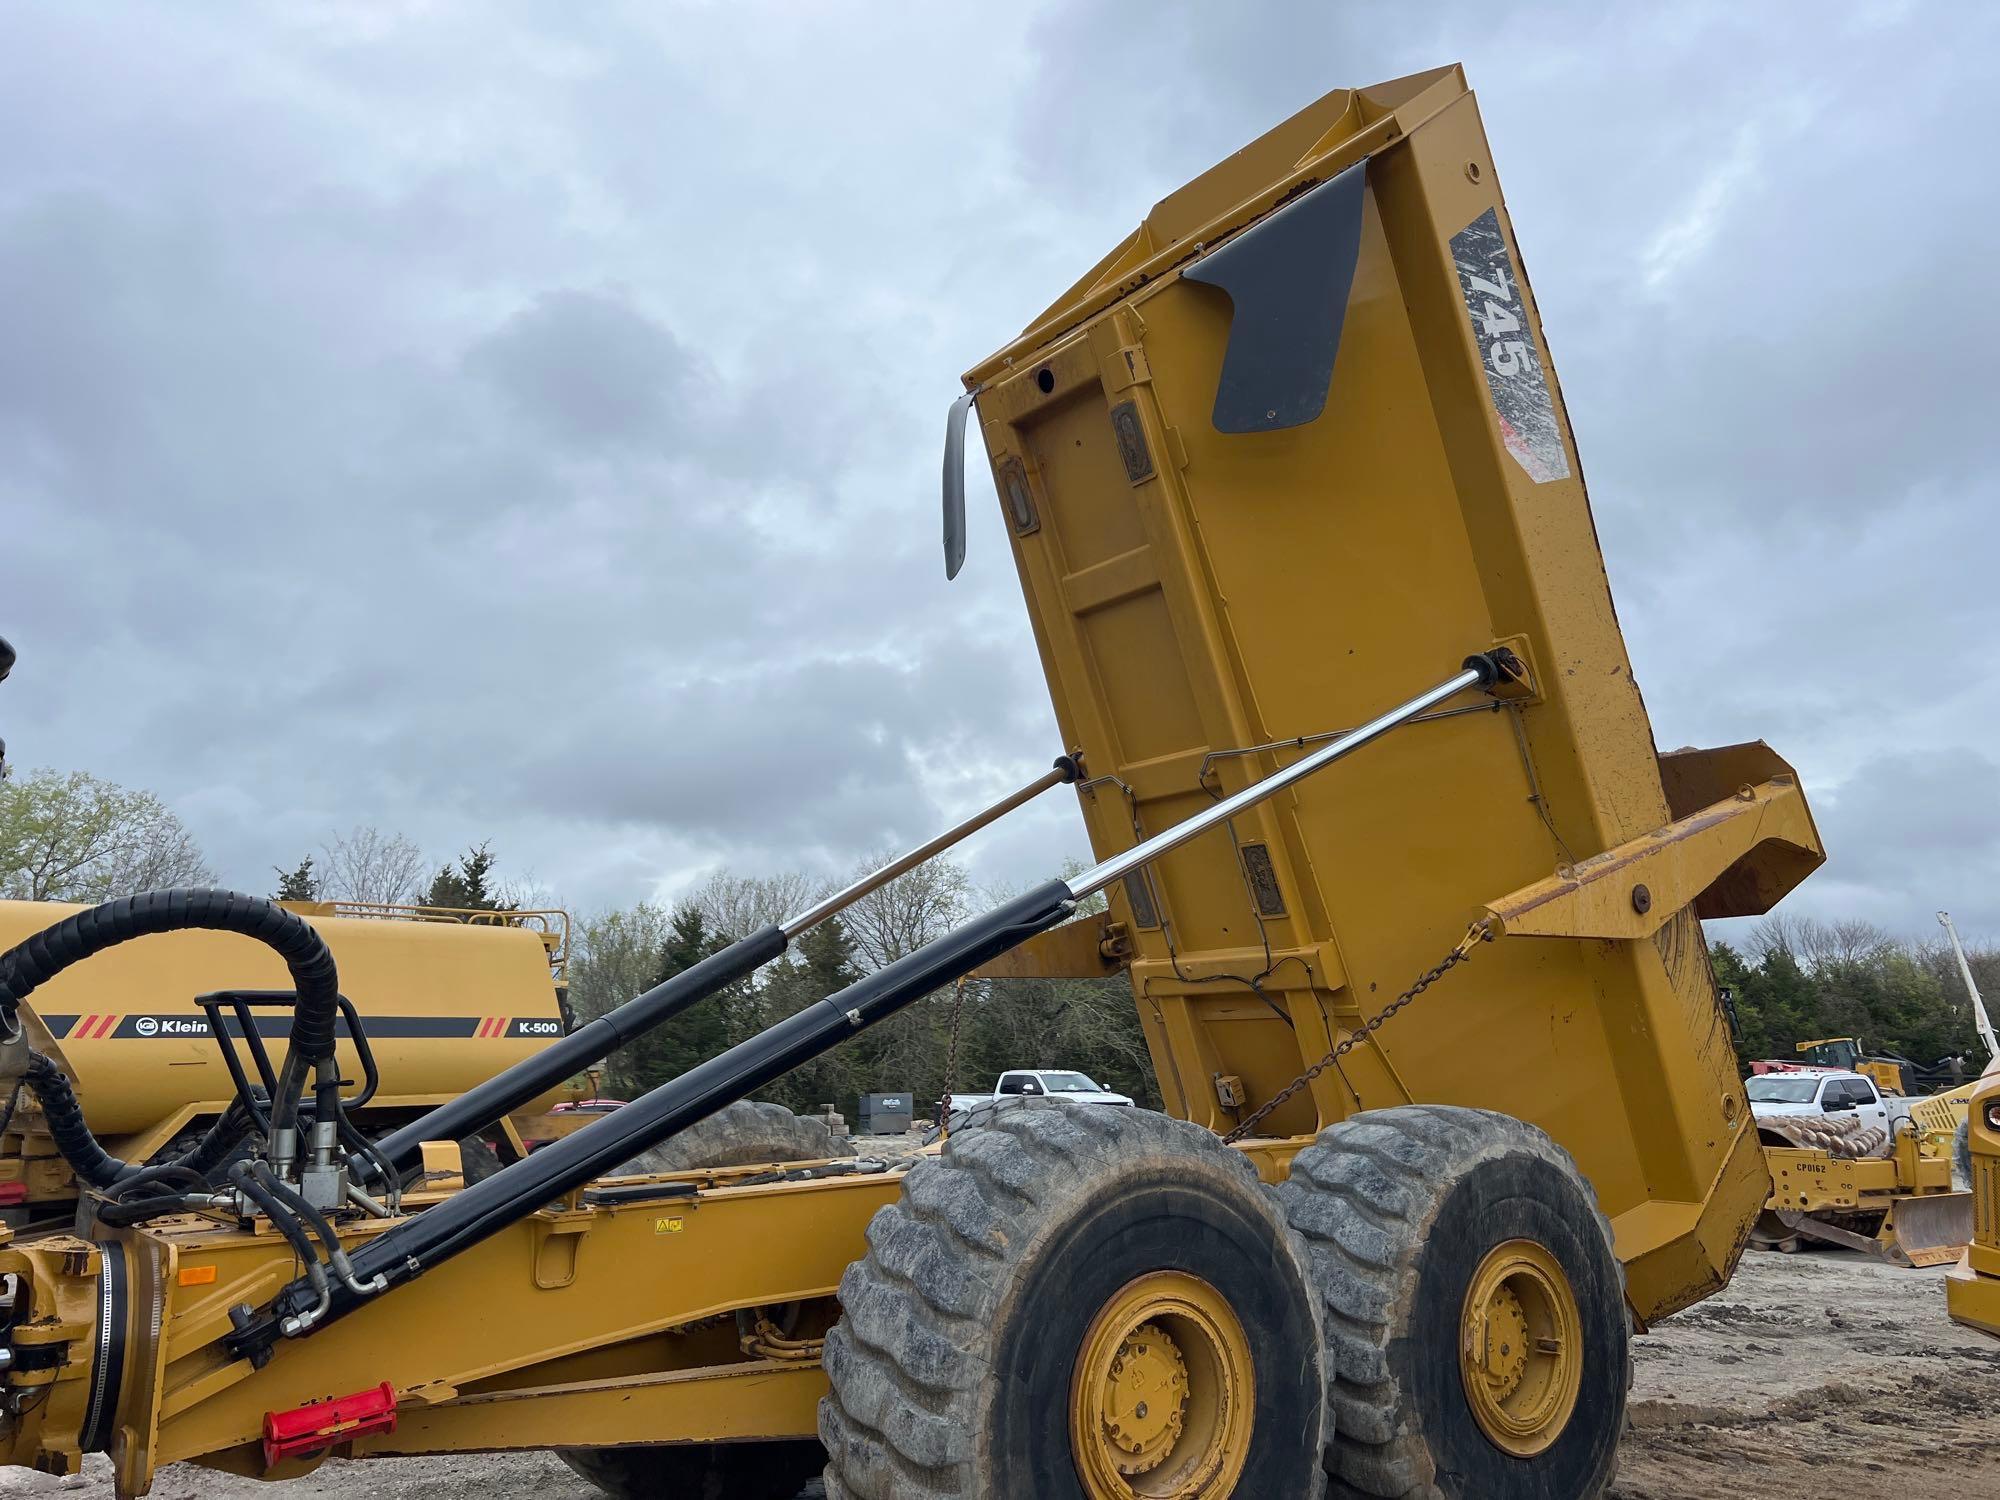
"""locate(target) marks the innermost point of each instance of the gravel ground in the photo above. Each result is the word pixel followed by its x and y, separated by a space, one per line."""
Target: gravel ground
pixel 1812 1376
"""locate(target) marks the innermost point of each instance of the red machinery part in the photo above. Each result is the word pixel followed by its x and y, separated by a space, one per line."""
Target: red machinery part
pixel 320 1424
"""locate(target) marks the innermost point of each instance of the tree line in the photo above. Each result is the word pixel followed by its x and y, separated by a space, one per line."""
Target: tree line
pixel 1798 980
pixel 76 837
pixel 1087 1024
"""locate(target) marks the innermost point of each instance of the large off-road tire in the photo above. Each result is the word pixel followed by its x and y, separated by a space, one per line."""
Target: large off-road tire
pixel 477 1160
pixel 1422 1222
pixel 1066 1289
pixel 741 1134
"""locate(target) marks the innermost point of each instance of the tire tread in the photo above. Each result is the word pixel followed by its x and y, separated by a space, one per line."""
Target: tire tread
pixel 1363 1256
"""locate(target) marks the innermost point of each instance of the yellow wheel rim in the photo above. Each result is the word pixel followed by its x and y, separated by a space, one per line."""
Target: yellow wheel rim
pixel 1520 1348
pixel 1163 1393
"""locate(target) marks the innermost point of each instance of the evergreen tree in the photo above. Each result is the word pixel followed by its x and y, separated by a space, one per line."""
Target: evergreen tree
pixel 465 886
pixel 694 1036
pixel 299 884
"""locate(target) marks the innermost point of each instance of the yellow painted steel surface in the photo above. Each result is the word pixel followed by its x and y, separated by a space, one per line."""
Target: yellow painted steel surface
pixel 580 1324
pixel 1806 1181
pixel 1972 1288
pixel 1196 592
pixel 447 1006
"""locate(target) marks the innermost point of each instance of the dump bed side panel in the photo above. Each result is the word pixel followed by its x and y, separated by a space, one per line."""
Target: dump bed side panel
pixel 1198 592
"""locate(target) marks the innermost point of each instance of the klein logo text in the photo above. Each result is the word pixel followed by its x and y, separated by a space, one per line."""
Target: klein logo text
pixel 169 1026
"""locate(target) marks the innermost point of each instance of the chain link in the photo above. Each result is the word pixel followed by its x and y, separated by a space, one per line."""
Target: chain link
pixel 1479 932
pixel 951 1061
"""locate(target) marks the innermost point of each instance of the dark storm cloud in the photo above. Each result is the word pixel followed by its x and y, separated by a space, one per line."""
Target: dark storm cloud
pixel 490 426
pixel 590 371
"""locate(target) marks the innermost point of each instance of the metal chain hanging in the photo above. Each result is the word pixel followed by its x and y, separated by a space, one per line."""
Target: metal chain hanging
pixel 1479 932
pixel 951 1060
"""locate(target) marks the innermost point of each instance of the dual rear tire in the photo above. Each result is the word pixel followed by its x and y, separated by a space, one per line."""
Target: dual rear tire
pixel 1105 1304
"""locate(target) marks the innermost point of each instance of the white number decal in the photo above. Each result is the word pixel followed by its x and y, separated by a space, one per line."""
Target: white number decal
pixel 1499 320
pixel 1506 356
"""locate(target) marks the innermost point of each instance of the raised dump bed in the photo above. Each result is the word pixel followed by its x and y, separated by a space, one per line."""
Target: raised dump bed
pixel 1292 446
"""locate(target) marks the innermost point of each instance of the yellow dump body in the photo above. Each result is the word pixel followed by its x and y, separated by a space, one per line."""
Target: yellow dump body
pixel 445 1006
pixel 1198 592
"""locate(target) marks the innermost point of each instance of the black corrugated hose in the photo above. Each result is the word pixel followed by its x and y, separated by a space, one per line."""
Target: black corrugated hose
pixel 36 960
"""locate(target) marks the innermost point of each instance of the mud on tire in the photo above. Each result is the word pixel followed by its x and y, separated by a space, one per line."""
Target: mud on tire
pixel 950 1371
pixel 1398 1207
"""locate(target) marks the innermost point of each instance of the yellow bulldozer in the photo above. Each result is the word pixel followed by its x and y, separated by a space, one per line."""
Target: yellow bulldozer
pixel 1409 903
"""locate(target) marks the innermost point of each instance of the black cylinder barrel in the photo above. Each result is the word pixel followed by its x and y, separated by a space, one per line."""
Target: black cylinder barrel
pixel 476 1109
pixel 485 1208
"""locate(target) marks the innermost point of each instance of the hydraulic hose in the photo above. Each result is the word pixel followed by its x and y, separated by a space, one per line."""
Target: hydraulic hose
pixel 257 1188
pixel 33 962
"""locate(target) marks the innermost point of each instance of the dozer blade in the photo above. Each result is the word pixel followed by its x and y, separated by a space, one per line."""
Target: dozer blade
pixel 1929 1230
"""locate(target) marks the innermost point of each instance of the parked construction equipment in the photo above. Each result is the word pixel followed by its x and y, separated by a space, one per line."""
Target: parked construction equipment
pixel 447 1000
pixel 1289 485
pixel 1841 1182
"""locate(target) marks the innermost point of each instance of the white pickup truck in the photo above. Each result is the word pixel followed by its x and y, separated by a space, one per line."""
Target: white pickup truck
pixel 1053 1083
pixel 1823 1093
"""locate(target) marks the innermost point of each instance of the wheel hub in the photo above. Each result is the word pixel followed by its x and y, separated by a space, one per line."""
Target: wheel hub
pixel 1520 1351
pixel 1162 1393
pixel 1145 1399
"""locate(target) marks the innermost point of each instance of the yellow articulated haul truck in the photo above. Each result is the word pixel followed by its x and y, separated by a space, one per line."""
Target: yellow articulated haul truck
pixel 1410 907
pixel 446 1000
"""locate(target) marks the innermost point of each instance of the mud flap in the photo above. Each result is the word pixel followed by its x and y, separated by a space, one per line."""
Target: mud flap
pixel 1287 278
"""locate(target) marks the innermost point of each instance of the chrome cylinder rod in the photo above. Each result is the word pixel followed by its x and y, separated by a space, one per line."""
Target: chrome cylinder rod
pixel 498 1096
pixel 1480 671
pixel 1064 770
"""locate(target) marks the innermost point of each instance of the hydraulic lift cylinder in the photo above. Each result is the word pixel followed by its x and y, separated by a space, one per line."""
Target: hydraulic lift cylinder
pixel 506 1092
pixel 405 1251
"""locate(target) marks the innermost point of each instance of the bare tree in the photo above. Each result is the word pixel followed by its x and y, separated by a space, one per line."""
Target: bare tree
pixel 908 912
pixel 614 956
pixel 736 905
pixel 1850 941
pixel 80 838
pixel 368 865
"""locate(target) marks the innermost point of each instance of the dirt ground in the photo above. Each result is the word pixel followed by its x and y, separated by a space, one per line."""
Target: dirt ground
pixel 1815 1375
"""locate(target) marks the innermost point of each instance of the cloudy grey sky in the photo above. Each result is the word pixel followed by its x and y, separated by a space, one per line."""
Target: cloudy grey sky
pixel 521 422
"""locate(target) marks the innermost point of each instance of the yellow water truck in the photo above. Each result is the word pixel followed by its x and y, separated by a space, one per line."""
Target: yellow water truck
pixel 448 999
